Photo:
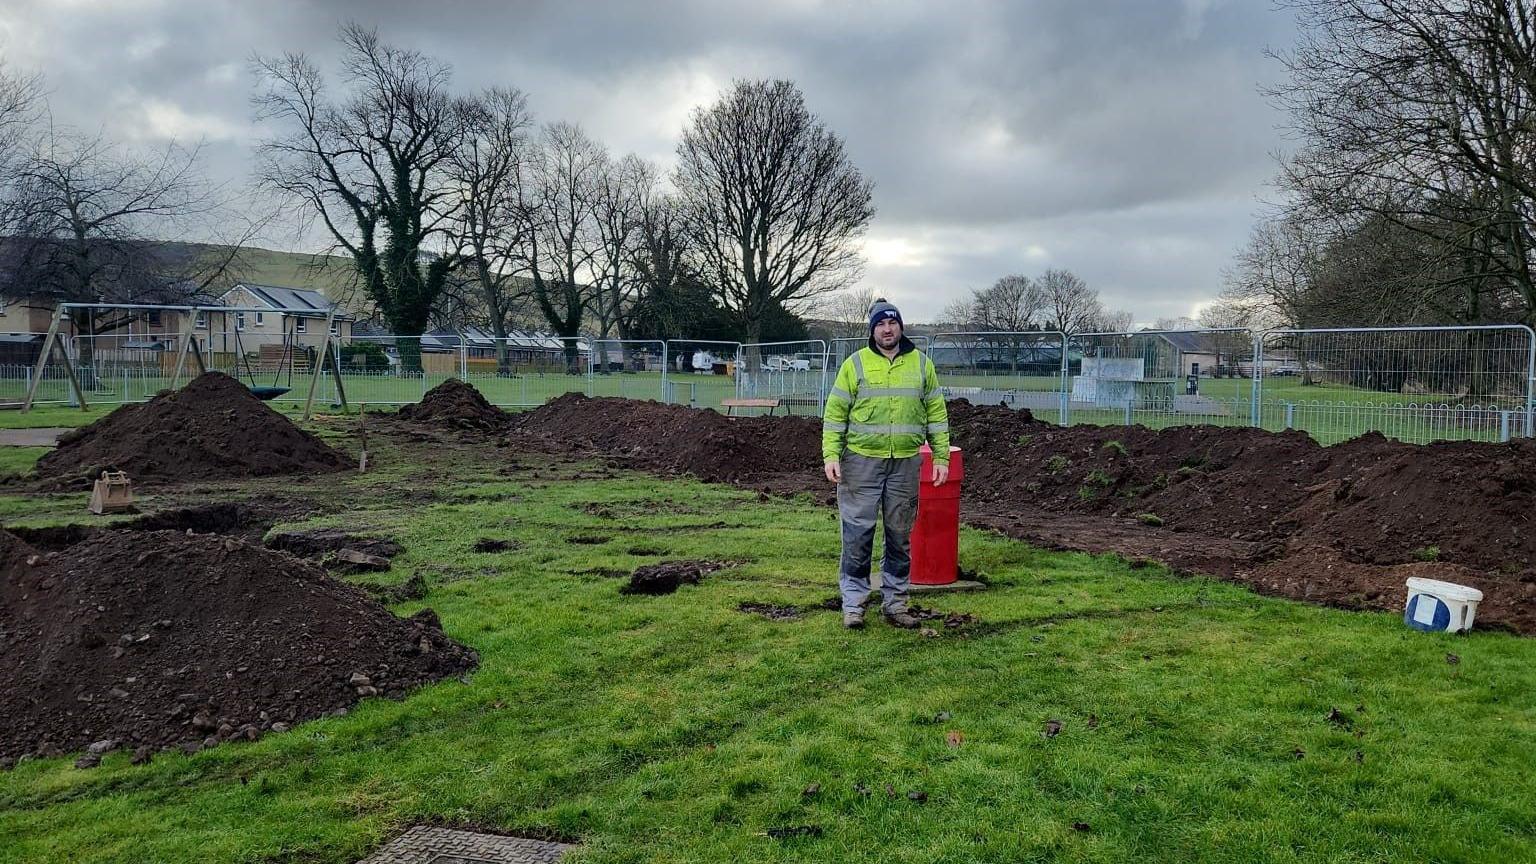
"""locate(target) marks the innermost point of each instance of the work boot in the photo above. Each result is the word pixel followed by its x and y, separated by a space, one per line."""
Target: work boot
pixel 900 618
pixel 853 621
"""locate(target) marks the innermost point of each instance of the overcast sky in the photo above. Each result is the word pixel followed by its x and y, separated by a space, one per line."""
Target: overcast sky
pixel 1125 140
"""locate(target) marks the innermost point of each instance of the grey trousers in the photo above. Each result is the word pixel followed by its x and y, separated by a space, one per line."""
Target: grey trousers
pixel 886 488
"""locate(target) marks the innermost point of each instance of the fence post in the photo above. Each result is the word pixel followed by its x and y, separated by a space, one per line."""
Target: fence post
pixel 463 358
pixel 1065 411
pixel 1128 404
pixel 693 394
pixel 1256 388
pixel 1503 426
pixel 1290 415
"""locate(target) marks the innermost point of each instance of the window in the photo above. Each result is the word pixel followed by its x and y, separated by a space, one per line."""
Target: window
pixel 259 320
pixel 335 328
pixel 239 320
pixel 154 317
pixel 300 325
pixel 202 321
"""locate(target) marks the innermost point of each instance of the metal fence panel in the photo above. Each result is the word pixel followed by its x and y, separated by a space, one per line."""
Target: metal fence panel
pixel 526 370
pixel 702 372
pixel 795 373
pixel 1020 369
pixel 629 369
pixel 1160 378
pixel 1416 384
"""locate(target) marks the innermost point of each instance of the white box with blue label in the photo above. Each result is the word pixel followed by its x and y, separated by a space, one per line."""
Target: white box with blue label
pixel 1438 607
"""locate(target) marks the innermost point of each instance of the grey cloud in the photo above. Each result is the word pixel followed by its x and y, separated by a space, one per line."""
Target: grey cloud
pixel 1125 138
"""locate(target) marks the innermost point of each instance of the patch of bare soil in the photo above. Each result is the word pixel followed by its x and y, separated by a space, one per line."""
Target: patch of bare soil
pixel 772 612
pixel 668 576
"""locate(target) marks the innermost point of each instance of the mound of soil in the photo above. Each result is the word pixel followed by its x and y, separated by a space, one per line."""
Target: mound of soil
pixel 674 439
pixel 457 405
pixel 214 428
pixel 151 639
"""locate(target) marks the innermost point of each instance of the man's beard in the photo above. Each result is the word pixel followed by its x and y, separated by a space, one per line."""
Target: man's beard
pixel 888 341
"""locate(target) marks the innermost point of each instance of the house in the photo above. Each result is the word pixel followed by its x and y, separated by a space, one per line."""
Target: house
pixel 296 318
pixel 1219 353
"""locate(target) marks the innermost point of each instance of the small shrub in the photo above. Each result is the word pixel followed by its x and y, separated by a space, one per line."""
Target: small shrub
pixel 1025 439
pixel 1115 447
pixel 1086 493
pixel 1427 553
pixel 1099 478
pixel 1151 519
pixel 1057 464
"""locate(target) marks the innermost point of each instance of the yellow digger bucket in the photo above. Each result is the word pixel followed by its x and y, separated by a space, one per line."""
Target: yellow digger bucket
pixel 112 493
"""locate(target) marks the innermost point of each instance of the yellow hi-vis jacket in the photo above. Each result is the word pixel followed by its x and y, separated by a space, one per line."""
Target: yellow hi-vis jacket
pixel 885 408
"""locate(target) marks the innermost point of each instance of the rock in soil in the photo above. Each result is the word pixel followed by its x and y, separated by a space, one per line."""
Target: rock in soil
pixel 204 638
pixel 664 578
pixel 354 561
pixel 212 428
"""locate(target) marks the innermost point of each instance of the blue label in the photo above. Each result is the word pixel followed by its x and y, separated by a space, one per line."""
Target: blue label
pixel 1427 613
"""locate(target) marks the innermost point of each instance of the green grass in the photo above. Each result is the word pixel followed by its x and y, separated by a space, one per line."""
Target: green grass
pixel 677 729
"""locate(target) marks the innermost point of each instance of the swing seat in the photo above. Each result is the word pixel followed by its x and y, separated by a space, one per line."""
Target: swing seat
pixel 268 393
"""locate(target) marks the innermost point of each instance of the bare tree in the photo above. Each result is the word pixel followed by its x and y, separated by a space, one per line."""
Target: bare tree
pixel 1115 321
pixel 622 189
pixel 961 312
pixel 848 311
pixel 1071 305
pixel 772 201
pixel 372 167
pixel 1013 303
pixel 565 242
pixel 1418 113
pixel 670 300
pixel 1270 274
pixel 490 165
pixel 21 97
pixel 91 218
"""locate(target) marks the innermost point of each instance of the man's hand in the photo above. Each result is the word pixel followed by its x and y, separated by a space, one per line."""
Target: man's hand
pixel 833 470
pixel 940 474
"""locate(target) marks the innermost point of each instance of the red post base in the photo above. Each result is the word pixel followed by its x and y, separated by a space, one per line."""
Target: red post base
pixel 936 534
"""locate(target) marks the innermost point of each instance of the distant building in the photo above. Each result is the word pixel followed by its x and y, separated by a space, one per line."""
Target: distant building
pixel 296 318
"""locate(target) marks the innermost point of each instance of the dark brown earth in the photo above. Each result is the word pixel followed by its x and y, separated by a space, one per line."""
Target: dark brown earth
pixel 1341 525
pixel 668 576
pixel 673 439
pixel 214 428
pixel 152 639
pixel 456 405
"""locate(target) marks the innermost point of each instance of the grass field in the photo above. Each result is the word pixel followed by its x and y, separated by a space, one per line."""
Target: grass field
pixel 1194 714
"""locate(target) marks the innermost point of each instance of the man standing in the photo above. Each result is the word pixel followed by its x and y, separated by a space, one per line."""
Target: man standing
pixel 885 403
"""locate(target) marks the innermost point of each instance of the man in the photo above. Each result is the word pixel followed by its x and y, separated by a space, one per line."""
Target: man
pixel 885 403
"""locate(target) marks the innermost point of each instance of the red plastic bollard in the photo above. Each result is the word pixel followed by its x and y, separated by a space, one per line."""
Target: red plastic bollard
pixel 936 534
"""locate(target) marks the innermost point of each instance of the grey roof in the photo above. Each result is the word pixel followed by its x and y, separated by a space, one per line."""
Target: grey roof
pixel 1193 342
pixel 294 300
